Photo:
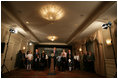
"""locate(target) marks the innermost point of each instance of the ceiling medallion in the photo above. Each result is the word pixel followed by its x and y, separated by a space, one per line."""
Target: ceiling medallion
pixel 51 12
pixel 52 38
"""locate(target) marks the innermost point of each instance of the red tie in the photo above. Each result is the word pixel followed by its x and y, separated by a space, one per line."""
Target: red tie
pixel 54 53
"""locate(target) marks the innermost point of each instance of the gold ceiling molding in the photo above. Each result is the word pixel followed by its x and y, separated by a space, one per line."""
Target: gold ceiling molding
pixel 52 43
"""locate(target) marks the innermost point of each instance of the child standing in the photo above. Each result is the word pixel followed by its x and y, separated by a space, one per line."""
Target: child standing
pixel 29 61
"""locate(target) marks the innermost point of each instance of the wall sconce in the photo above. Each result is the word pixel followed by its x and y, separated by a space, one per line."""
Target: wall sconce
pixel 80 49
pixel 23 48
pixel 30 43
pixel 108 42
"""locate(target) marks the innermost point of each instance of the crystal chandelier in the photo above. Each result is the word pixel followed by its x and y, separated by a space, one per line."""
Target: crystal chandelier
pixel 51 12
pixel 52 38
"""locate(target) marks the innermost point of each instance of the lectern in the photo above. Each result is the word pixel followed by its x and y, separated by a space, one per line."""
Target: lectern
pixel 52 69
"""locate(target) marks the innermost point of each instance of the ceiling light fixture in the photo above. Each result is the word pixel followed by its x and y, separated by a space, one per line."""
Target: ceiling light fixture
pixel 51 12
pixel 27 22
pixel 52 38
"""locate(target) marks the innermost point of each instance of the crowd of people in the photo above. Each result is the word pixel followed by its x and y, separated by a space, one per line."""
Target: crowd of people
pixel 80 61
pixel 63 62
pixel 84 61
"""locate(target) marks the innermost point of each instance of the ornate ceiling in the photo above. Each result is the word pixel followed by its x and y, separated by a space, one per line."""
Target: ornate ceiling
pixel 79 18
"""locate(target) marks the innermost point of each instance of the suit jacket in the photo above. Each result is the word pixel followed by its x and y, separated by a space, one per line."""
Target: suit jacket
pixel 55 53
pixel 68 55
pixel 35 56
pixel 43 57
pixel 55 57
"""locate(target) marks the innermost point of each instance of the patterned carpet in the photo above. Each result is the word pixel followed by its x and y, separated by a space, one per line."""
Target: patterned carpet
pixel 23 73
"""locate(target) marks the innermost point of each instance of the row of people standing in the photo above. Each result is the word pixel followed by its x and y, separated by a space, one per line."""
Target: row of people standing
pixel 29 60
pixel 84 61
pixel 65 61
pixel 80 61
pixel 24 60
pixel 40 60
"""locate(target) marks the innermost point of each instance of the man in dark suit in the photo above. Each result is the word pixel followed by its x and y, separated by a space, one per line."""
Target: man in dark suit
pixel 20 59
pixel 85 61
pixel 43 60
pixel 69 55
pixel 49 61
pixel 55 52
pixel 36 59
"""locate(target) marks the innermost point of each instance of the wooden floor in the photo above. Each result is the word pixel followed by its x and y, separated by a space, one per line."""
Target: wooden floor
pixel 23 73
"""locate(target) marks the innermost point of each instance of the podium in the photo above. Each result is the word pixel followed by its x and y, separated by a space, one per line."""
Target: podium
pixel 51 69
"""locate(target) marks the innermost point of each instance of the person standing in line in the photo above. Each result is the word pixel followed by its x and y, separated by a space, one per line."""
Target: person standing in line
pixel 26 58
pixel 29 62
pixel 49 61
pixel 55 55
pixel 75 61
pixel 63 62
pixel 20 59
pixel 91 60
pixel 46 60
pixel 64 55
pixel 43 60
pixel 78 61
pixel 70 63
pixel 81 61
pixel 59 62
pixel 85 62
pixel 23 58
pixel 36 59
pixel 69 54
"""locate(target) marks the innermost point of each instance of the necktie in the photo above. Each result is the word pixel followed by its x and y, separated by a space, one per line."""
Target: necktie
pixel 54 53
